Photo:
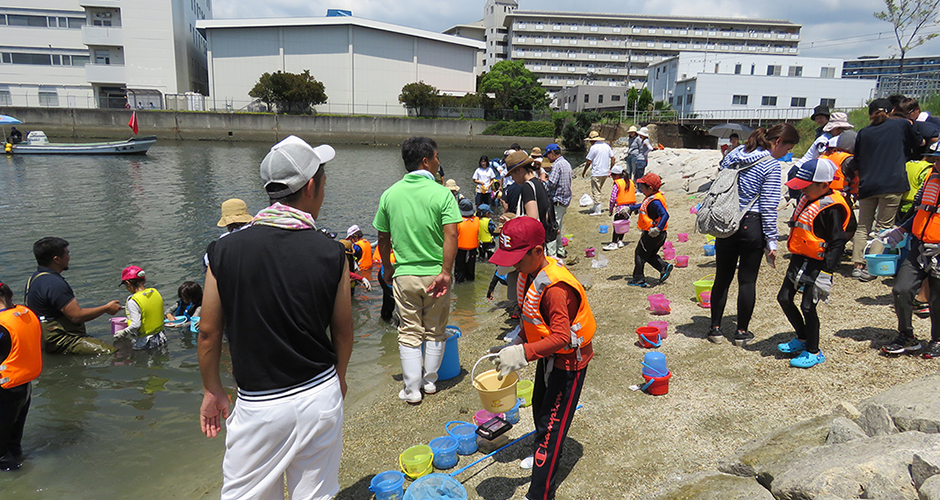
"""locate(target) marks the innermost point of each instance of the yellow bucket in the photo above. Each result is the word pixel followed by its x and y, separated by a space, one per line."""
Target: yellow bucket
pixel 497 396
pixel 416 461
pixel 703 285
pixel 524 391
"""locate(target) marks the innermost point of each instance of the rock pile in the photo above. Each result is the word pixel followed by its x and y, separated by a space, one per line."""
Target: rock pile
pixel 887 447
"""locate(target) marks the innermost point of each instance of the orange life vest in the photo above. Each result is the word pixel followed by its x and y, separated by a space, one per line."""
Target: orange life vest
pixel 926 224
pixel 534 326
pixel 365 262
pixel 468 233
pixel 802 240
pixel 626 195
pixel 24 363
pixel 837 157
pixel 645 223
pixel 377 257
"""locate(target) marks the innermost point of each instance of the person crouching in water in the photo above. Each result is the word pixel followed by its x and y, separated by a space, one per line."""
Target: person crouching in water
pixel 144 310
pixel 922 264
pixel 189 304
pixel 653 221
pixel 20 364
pixel 819 228
pixel 557 328
pixel 622 196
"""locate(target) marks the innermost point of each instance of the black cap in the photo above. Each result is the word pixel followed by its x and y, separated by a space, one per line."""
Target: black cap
pixel 879 104
pixel 822 109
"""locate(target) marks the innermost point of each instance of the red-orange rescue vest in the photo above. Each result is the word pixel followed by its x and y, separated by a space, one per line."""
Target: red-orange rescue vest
pixel 802 240
pixel 24 363
pixel 534 326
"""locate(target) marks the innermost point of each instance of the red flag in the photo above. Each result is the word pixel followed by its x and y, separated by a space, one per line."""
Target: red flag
pixel 133 122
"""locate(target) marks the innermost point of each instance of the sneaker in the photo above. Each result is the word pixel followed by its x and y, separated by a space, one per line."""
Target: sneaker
pixel 715 336
pixel 902 344
pixel 611 246
pixel 933 350
pixel 620 244
pixel 527 462
pixel 921 309
pixel 640 283
pixel 862 275
pixel 742 338
pixel 807 359
pixel 663 276
pixel 792 347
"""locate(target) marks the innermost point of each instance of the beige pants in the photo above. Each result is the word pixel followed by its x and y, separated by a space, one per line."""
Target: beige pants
pixel 423 317
pixel 886 206
pixel 597 183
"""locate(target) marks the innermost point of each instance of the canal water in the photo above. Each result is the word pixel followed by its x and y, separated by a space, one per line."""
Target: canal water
pixel 127 426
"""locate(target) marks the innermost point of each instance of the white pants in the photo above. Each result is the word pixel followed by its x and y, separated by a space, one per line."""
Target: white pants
pixel 301 435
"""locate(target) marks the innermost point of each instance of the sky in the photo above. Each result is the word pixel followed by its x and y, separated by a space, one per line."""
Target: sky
pixel 831 28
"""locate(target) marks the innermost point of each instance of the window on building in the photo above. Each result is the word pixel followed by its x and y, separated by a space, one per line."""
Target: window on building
pixel 80 60
pixel 615 98
pixel 827 73
pixel 795 71
pixel 688 98
pixel 48 97
pixel 716 67
pixel 36 59
pixel 752 68
pixel 737 69
pixel 768 100
pixel 6 99
pixel 831 103
pixel 76 22
pixel 797 102
pixel 18 20
pixel 6 58
pixel 587 98
pixel 773 70
pixel 600 99
pixel 739 99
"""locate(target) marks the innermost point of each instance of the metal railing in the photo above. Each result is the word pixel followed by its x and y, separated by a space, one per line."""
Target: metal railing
pixel 756 116
pixel 916 85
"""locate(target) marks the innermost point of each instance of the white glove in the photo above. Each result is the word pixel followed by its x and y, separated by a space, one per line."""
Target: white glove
pixel 365 283
pixel 931 250
pixel 511 358
pixel 654 232
pixel 892 237
pixel 120 334
pixel 823 286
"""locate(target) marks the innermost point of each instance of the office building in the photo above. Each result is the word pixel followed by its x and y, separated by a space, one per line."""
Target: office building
pixel 921 77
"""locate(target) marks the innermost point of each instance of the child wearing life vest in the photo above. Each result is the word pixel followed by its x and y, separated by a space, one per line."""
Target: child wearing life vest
pixel 364 254
pixel 557 332
pixel 144 310
pixel 622 196
pixel 487 232
pixel 819 228
pixel 922 264
pixel 468 240
pixel 189 304
pixel 653 221
pixel 352 258
pixel 20 363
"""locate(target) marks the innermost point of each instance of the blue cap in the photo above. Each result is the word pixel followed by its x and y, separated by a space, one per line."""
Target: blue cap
pixel 484 208
pixel 553 147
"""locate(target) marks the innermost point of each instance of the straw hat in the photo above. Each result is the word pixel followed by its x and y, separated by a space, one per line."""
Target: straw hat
pixel 632 129
pixel 838 120
pixel 452 185
pixel 234 211
pixel 536 152
pixel 517 159
pixel 594 136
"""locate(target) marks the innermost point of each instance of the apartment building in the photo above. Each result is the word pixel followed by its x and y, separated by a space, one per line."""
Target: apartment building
pixel 873 67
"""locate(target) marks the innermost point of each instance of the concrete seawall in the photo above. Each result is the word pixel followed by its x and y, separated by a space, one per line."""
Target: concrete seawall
pixel 62 124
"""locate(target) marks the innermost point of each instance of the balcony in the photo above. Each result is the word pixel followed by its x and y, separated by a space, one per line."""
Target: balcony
pixel 105 73
pixel 103 35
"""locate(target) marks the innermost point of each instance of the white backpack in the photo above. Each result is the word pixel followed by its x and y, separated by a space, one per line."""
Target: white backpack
pixel 720 213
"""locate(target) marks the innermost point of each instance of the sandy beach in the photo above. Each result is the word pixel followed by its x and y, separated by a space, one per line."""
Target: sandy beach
pixel 624 444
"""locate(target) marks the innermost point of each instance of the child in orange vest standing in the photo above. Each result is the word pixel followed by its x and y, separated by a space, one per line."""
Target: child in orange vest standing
pixel 653 220
pixel 819 228
pixel 622 196
pixel 468 240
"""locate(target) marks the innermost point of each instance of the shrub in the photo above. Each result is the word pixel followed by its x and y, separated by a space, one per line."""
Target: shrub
pixel 521 129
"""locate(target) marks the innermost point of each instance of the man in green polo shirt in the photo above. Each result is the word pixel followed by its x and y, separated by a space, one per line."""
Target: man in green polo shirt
pixel 417 218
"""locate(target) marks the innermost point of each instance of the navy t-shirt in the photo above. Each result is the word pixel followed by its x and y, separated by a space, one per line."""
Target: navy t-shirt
pixel 48 294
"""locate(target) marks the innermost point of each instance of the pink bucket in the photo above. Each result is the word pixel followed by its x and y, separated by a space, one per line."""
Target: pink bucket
pixel 662 326
pixel 683 237
pixel 669 253
pixel 706 300
pixel 667 244
pixel 659 305
pixel 484 416
pixel 693 210
pixel 118 324
pixel 682 261
pixel 621 226
pixel 589 252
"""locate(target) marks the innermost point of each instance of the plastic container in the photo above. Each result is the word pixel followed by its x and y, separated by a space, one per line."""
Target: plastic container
pixel 118 324
pixel 683 237
pixel 450 363
pixel 885 264
pixel 524 392
pixel 194 324
pixel 660 306
pixel 709 249
pixel 465 434
pixel 445 452
pixel 416 461
pixel 662 326
pixel 436 487
pixel 667 244
pixel 682 261
pixel 603 228
pixel 656 386
pixel 570 236
pixel 703 285
pixel 496 395
pixel 589 252
pixel 484 416
pixel 705 300
pixel 388 485
pixel 621 226
pixel 649 337
pixel 669 253
pixel 564 241
pixel 654 364
pixel 177 322
pixel 512 416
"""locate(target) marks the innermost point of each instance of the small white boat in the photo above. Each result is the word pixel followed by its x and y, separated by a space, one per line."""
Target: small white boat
pixel 37 143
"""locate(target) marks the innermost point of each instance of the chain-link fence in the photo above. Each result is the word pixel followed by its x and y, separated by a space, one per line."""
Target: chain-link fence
pixel 916 85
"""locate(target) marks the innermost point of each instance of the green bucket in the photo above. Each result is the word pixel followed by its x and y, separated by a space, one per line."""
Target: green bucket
pixel 703 285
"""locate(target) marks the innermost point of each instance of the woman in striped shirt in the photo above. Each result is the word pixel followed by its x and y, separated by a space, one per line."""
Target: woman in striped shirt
pixel 757 233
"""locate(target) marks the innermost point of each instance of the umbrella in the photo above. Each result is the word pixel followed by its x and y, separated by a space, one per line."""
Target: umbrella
pixel 725 131
pixel 8 120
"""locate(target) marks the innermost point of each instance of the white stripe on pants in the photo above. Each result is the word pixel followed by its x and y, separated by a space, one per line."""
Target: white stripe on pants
pixel 300 435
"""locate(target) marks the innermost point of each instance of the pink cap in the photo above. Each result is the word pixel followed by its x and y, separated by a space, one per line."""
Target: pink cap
pixel 130 273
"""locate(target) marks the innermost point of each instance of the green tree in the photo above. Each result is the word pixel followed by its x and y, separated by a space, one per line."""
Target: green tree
pixel 514 87
pixel 421 97
pixel 645 100
pixel 633 95
pixel 575 130
pixel 909 18
pixel 289 92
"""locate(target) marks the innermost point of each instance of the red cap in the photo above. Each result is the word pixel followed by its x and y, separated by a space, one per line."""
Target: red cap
pixel 518 236
pixel 130 273
pixel 652 180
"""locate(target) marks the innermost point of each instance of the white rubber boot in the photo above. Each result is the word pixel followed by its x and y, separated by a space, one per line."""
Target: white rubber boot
pixel 410 373
pixel 597 209
pixel 433 355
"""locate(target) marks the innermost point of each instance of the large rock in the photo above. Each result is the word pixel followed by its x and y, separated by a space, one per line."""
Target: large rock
pixel 913 406
pixel 843 430
pixel 876 421
pixel 785 444
pixel 877 467
pixel 714 486
pixel 930 490
pixel 926 465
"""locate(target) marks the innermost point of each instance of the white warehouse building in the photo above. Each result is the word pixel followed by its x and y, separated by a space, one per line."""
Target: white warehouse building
pixel 745 86
pixel 363 64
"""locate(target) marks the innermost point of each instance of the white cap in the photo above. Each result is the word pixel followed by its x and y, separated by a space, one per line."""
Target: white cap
pixel 353 229
pixel 617 170
pixel 293 162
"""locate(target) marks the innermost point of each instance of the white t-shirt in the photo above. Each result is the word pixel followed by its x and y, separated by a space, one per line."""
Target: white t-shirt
pixel 600 155
pixel 484 175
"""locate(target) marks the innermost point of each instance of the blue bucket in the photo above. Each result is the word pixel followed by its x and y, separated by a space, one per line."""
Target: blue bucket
pixel 885 264
pixel 512 416
pixel 450 363
pixel 388 485
pixel 445 452
pixel 654 364
pixel 436 487
pixel 709 249
pixel 466 435
pixel 603 228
